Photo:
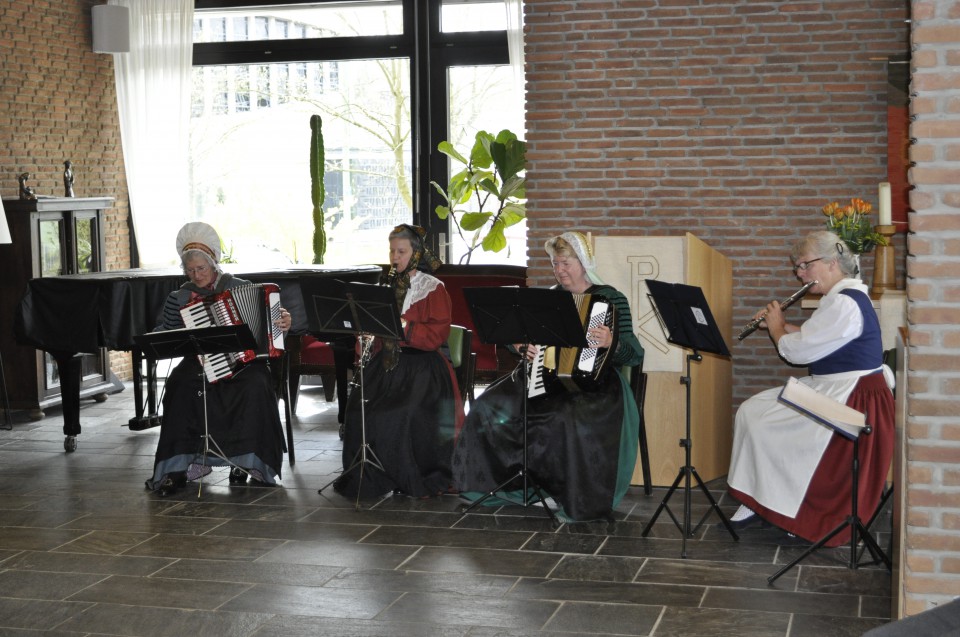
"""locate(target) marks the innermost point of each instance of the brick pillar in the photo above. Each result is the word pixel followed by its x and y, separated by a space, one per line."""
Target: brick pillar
pixel 931 570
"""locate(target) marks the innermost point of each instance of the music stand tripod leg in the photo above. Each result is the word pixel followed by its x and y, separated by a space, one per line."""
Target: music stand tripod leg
pixel 208 440
pixel 688 471
pixel 857 530
pixel 365 452
pixel 522 474
pixel 7 415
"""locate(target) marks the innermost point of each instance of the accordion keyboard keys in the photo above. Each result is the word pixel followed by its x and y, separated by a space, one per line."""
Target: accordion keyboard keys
pixel 535 384
pixel 589 354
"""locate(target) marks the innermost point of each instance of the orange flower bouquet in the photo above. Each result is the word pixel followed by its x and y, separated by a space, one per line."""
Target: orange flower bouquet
pixel 852 225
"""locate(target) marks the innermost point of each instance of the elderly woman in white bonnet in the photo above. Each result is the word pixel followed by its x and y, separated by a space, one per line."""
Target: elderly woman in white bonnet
pixel 581 443
pixel 241 411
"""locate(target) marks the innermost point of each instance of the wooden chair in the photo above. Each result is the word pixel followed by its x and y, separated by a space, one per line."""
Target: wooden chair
pixel 280 371
pixel 463 359
pixel 637 380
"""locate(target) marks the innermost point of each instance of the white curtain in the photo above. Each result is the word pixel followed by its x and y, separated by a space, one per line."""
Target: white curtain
pixel 515 47
pixel 153 98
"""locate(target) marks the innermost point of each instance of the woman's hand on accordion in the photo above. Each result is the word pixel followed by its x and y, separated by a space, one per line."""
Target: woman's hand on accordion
pixel 285 320
pixel 600 336
pixel 529 350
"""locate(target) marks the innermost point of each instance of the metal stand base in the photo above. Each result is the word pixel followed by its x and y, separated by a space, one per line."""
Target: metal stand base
pixel 686 472
pixel 365 454
pixel 858 532
pixel 7 417
pixel 521 475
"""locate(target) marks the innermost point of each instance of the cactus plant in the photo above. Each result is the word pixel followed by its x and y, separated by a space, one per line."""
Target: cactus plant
pixel 317 192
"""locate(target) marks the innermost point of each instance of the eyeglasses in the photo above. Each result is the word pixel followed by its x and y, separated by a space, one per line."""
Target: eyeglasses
pixel 200 269
pixel 803 265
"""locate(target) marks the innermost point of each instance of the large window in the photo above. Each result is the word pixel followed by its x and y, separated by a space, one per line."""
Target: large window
pixel 262 72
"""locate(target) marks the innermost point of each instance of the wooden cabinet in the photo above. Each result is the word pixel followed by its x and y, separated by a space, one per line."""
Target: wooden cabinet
pixel 626 263
pixel 51 236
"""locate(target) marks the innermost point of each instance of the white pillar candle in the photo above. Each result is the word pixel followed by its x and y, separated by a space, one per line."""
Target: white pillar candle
pixel 884 214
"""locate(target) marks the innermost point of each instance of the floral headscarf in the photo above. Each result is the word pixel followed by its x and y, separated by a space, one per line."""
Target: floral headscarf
pixel 422 260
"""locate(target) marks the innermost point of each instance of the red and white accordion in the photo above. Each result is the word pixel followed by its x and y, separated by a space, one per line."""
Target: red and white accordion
pixel 255 305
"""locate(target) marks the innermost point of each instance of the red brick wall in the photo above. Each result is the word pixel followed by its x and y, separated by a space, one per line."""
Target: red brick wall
pixel 735 121
pixel 932 565
pixel 59 103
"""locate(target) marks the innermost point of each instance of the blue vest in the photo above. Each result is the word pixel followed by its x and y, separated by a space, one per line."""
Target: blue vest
pixel 863 352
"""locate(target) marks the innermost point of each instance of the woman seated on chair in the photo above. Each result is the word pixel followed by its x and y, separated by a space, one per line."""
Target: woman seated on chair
pixel 581 443
pixel 241 411
pixel 786 468
pixel 413 405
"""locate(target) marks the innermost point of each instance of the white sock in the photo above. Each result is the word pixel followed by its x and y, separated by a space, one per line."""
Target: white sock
pixel 742 513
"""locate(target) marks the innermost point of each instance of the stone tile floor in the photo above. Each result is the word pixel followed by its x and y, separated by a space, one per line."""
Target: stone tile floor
pixel 85 550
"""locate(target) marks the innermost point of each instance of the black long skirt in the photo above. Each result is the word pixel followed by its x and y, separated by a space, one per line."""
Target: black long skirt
pixel 410 418
pixel 242 418
pixel 581 446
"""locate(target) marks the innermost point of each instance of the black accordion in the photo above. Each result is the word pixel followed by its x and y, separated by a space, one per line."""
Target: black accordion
pixel 574 368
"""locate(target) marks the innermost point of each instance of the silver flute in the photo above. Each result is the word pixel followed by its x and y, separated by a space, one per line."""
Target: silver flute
pixel 753 325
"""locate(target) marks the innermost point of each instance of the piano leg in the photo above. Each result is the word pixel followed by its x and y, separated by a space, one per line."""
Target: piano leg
pixel 149 419
pixel 69 365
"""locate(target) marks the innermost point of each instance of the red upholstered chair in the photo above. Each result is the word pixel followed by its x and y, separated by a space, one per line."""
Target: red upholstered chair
pixel 310 357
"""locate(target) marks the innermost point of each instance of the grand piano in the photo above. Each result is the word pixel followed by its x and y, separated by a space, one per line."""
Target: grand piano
pixel 82 313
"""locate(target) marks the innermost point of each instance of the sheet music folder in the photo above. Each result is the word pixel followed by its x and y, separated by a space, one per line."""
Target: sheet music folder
pixel 348 307
pixel 846 421
pixel 218 339
pixel 508 315
pixel 686 317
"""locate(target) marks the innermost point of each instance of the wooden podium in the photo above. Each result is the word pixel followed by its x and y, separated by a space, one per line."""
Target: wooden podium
pixel 625 263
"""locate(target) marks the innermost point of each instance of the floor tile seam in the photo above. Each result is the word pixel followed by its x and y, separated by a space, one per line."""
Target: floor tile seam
pixel 773 590
pixel 408 559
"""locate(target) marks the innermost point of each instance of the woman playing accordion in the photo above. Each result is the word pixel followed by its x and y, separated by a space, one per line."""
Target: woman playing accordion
pixel 240 410
pixel 581 442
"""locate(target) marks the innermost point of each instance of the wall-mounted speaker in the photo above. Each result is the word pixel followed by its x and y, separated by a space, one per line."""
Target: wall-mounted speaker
pixel 111 28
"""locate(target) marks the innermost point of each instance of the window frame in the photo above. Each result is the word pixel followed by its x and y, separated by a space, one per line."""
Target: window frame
pixel 431 53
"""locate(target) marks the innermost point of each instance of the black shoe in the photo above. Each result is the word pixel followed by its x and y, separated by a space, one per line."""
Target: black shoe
pixel 172 483
pixel 238 476
pixel 70 444
pixel 746 523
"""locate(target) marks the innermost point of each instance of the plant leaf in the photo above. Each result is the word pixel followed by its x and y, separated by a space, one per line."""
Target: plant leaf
pixel 514 187
pixel 513 213
pixel 447 149
pixel 474 220
pixel 480 153
pixel 495 241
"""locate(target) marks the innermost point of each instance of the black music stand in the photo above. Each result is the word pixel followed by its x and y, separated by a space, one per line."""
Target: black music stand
pixel 858 531
pixel 687 322
pixel 202 341
pixel 507 315
pixel 365 310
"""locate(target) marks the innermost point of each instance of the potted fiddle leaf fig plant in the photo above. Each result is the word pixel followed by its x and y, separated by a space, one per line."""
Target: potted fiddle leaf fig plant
pixel 488 194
